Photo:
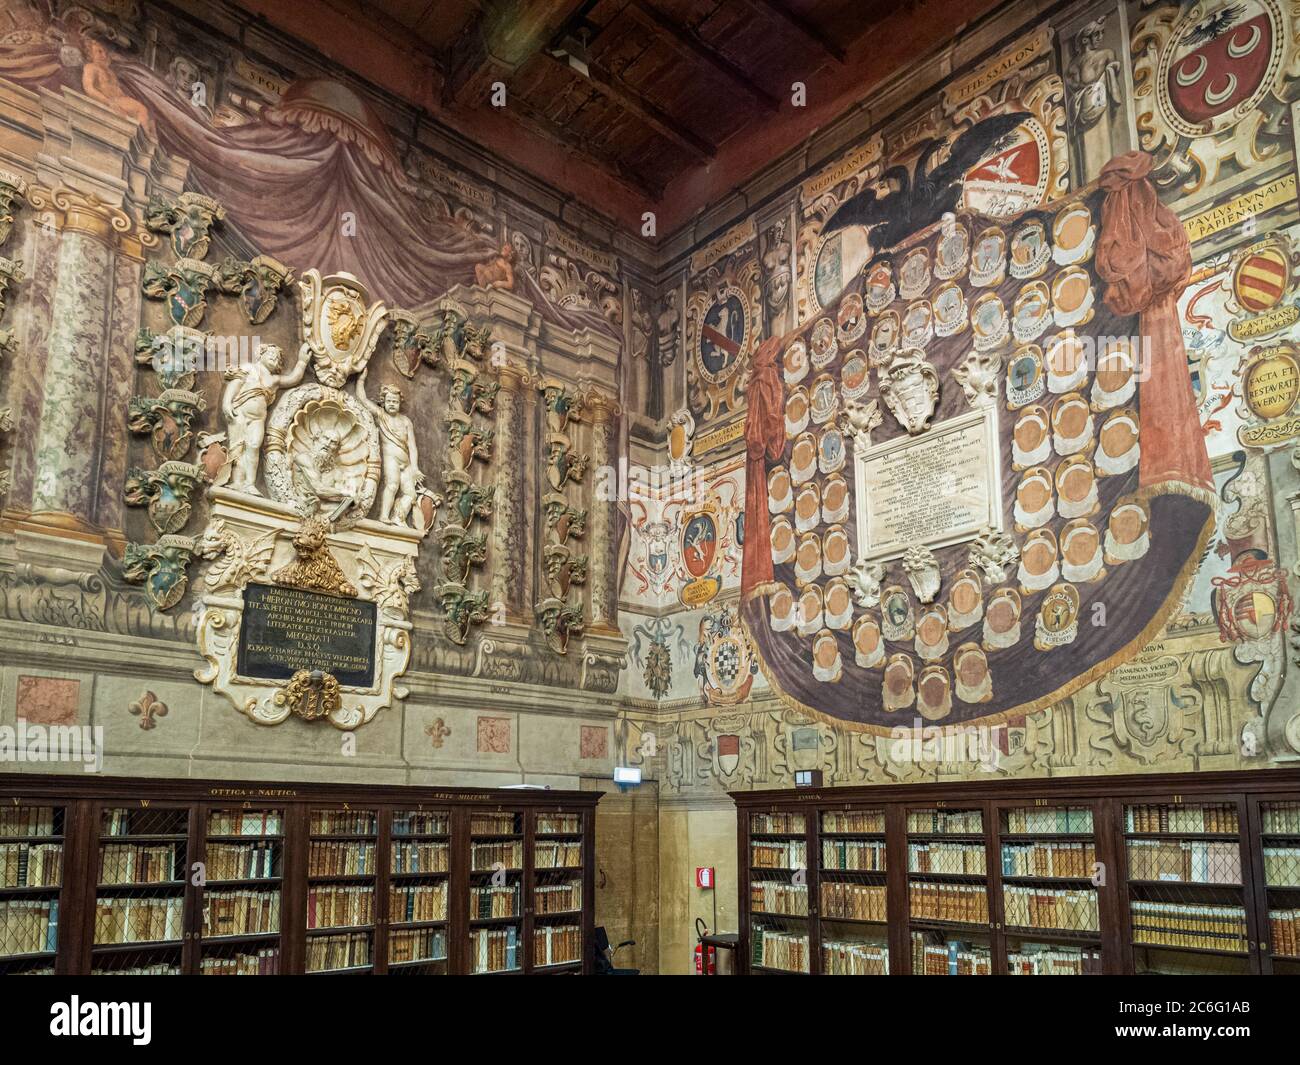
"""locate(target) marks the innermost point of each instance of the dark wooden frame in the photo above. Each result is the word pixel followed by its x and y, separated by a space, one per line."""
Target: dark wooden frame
pixel 83 797
pixel 1107 797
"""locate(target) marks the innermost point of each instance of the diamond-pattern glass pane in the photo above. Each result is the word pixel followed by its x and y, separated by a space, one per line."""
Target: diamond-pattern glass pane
pixel 779 945
pixel 935 954
pixel 142 869
pixel 243 870
pixel 1186 906
pixel 31 875
pixel 341 898
pixel 1280 828
pixel 853 897
pixel 557 890
pixel 496 892
pixel 419 865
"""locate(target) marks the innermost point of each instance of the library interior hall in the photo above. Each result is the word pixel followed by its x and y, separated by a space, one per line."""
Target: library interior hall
pixel 649 487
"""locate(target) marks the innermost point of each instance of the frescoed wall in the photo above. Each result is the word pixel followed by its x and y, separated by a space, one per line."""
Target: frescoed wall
pixel 836 484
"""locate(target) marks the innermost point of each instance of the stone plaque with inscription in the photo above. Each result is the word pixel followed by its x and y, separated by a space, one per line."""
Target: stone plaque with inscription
pixel 285 630
pixel 935 489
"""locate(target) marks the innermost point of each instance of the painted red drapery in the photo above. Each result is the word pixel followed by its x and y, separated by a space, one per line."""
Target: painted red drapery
pixel 1145 259
pixel 764 443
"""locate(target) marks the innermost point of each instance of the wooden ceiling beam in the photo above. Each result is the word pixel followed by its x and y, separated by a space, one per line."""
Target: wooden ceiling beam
pixel 687 43
pixel 801 26
pixel 630 100
pixel 498 42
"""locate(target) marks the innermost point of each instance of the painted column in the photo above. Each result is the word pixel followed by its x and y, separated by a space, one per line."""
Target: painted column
pixel 602 578
pixel 509 533
pixel 89 362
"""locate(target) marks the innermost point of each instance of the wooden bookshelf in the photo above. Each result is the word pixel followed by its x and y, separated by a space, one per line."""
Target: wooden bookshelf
pixel 1179 874
pixel 247 878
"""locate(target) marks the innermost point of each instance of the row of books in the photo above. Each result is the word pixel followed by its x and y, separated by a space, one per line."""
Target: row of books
pixel 488 902
pixel 967 858
pixel 773 854
pixel 1187 861
pixel 125 863
pixel 119 821
pixel 417 902
pixel 160 968
pixel 27 821
pixel 863 821
pixel 854 855
pixel 1175 924
pixel 420 858
pixel 485 856
pixel 241 861
pixel 494 950
pixel 1049 858
pixel 948 902
pixel 856 902
pixel 842 957
pixel 774 896
pixel 340 858
pixel 777 824
pixel 1284 932
pixel 1024 820
pixel 558 898
pixel 557 944
pixel 245 823
pixel 28 926
pixel 342 822
pixel 264 962
pixel 241 913
pixel 1282 866
pixel 338 952
pixel 559 824
pixel 553 855
pixel 1035 907
pixel 1152 818
pixel 31 865
pixel 417 944
pixel 340 905
pixel 1278 818
pixel 776 949
pixel 420 823
pixel 121 919
pixel 1054 961
pixel 494 825
pixel 945 822
pixel 949 958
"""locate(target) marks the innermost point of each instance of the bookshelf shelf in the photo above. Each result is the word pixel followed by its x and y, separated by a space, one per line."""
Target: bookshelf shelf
pixel 1017 877
pixel 252 879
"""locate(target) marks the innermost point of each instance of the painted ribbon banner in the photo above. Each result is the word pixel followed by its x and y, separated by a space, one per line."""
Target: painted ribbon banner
pixel 1061 403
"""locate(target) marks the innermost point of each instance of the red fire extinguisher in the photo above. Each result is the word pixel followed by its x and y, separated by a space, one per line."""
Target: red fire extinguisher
pixel 700 932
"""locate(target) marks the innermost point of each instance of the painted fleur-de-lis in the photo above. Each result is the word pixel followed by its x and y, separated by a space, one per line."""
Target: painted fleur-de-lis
pixel 148 708
pixel 437 731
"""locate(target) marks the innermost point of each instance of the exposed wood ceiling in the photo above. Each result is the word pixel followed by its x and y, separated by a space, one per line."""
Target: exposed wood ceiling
pixel 665 100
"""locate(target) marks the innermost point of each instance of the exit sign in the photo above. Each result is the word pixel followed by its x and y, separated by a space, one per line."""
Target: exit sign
pixel 704 877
